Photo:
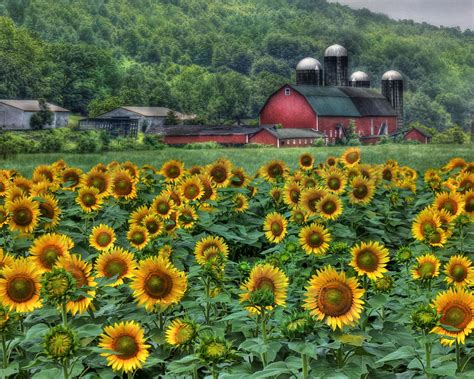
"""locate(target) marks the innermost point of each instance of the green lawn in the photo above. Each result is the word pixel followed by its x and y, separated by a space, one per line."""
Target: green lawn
pixel 420 157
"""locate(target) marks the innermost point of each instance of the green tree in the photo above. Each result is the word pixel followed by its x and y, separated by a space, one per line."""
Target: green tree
pixel 43 117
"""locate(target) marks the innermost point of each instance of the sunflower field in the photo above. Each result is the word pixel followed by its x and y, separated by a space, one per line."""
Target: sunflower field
pixel 338 269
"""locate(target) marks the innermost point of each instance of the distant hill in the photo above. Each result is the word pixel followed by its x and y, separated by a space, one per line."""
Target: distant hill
pixel 219 58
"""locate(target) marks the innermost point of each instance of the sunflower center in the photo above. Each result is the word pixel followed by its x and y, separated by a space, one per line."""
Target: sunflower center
pixel 352 157
pixel 435 237
pixel 335 299
pixel 275 170
pixel 123 187
pixel 71 178
pixel 183 334
pixel 50 255
pixel 334 183
pixel 98 183
pixel 306 161
pixel 152 226
pixel 191 191
pixel 329 207
pixel 315 240
pixel 458 272
pixel 265 284
pixel 59 344
pixel 163 208
pixel 173 172
pixel 239 202
pixel 219 174
pixel 361 191
pixel 470 205
pixel 46 210
pixel 126 346
pixel 387 174
pixel 21 289
pixel 450 206
pixel 158 285
pixel 138 237
pixel 299 217
pixel 457 316
pixel 115 267
pixel 3 217
pixel 367 260
pixel 277 228
pixel 79 275
pixel 428 228
pixel 104 238
pixel 89 199
pixel 23 216
pixel 294 195
pixel 427 270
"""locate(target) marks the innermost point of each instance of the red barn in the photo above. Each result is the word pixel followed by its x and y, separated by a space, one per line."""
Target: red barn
pixel 280 137
pixel 226 135
pixel 329 110
pixel 414 134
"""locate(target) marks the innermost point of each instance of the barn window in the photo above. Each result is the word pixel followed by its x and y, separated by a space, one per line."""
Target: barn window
pixel 330 133
pixel 287 92
pixel 299 142
pixel 294 142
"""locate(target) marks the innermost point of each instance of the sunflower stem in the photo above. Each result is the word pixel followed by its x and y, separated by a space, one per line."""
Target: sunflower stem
pixel 66 368
pixel 195 372
pixel 458 356
pixel 264 336
pixel 4 350
pixel 64 313
pixel 428 359
pixel 305 361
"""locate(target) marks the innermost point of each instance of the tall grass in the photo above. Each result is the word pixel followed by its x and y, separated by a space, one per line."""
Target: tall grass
pixel 420 157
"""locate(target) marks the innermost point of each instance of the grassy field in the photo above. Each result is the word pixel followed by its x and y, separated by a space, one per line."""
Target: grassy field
pixel 420 157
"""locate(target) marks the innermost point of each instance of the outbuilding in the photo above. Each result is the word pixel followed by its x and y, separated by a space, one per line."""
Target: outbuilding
pixel 16 114
pixel 280 137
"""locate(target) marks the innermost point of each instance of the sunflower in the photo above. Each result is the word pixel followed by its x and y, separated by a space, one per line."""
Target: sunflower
pixel 306 161
pixel 139 214
pixel 239 178
pixel 369 172
pixel 210 241
pixel 47 249
pixel 180 332
pixel 15 193
pixel 389 172
pixel 466 182
pixel 195 170
pixel 370 258
pixel 191 189
pixel 131 168
pixel 6 260
pixel 49 210
pixel 23 183
pixel 308 182
pixel 330 207
pixel 361 191
pixel 274 170
pixel 241 203
pixel 80 270
pixel 20 286
pixel 41 189
pixel 138 236
pixel 24 214
pixel 71 178
pixel 125 346
pixel 351 157
pixel 459 271
pixel 153 224
pixel 220 172
pixel 274 227
pixel 211 256
pixel 46 172
pixel 124 185
pixel 426 268
pixel 89 199
pixel 4 185
pixel 299 216
pixel 97 179
pixel 102 237
pixel 334 180
pixel 174 194
pixel 456 308
pixel 469 204
pixel 332 296
pixel 158 282
pixel 315 239
pixel 331 161
pixel 291 194
pixel 209 188
pixel 172 170
pixel 265 278
pixel 276 194
pixel 187 217
pixel 115 262
pixel 452 202
pixel 4 218
pixel 427 227
pixel 163 206
pixel 455 163
pixel 310 198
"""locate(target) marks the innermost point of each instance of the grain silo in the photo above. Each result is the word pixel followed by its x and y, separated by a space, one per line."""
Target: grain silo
pixel 336 64
pixel 309 72
pixel 359 79
pixel 392 89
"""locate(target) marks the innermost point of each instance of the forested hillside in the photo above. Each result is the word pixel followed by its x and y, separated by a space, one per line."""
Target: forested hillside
pixel 219 58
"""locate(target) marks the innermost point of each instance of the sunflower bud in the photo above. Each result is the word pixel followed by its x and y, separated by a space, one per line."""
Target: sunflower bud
pixel 424 318
pixel 244 267
pixel 404 254
pixel 60 342
pixel 298 326
pixel 4 318
pixel 384 284
pixel 339 248
pixel 291 247
pixel 57 286
pixel 213 349
pixel 263 297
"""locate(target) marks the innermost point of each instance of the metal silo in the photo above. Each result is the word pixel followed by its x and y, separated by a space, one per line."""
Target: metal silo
pixel 392 89
pixel 336 64
pixel 359 79
pixel 309 72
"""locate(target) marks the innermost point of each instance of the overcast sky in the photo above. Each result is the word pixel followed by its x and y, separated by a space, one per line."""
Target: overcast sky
pixel 437 12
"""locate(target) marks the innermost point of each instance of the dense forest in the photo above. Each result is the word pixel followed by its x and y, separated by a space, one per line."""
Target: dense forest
pixel 219 58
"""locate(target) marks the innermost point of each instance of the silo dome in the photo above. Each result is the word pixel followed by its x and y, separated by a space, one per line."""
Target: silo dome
pixel 359 76
pixel 336 51
pixel 392 75
pixel 308 63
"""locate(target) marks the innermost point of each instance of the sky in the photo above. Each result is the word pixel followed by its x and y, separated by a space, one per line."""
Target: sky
pixel 436 12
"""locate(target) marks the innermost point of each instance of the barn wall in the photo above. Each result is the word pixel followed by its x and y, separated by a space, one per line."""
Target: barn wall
pixel 264 137
pixel 62 119
pixel 182 140
pixel 12 118
pixel 415 135
pixel 292 111
pixel 296 142
pixel 150 121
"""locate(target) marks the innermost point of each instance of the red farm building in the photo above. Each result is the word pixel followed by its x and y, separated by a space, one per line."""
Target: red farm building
pixel 329 110
pixel 414 134
pixel 286 137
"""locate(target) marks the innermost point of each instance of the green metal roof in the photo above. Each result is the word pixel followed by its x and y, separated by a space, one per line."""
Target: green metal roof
pixel 345 101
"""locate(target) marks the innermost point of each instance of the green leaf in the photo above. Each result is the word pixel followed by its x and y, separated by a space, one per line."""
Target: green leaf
pixel 401 353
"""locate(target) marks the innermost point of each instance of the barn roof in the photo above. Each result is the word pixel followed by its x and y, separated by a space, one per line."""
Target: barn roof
pixel 345 101
pixel 203 130
pixel 153 112
pixel 31 105
pixel 284 133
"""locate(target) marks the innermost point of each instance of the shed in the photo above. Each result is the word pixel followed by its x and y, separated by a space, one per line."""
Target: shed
pixel 414 134
pixel 223 134
pixel 16 114
pixel 286 137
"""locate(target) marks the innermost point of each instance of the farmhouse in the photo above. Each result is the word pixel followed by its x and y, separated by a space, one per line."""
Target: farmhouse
pixel 16 114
